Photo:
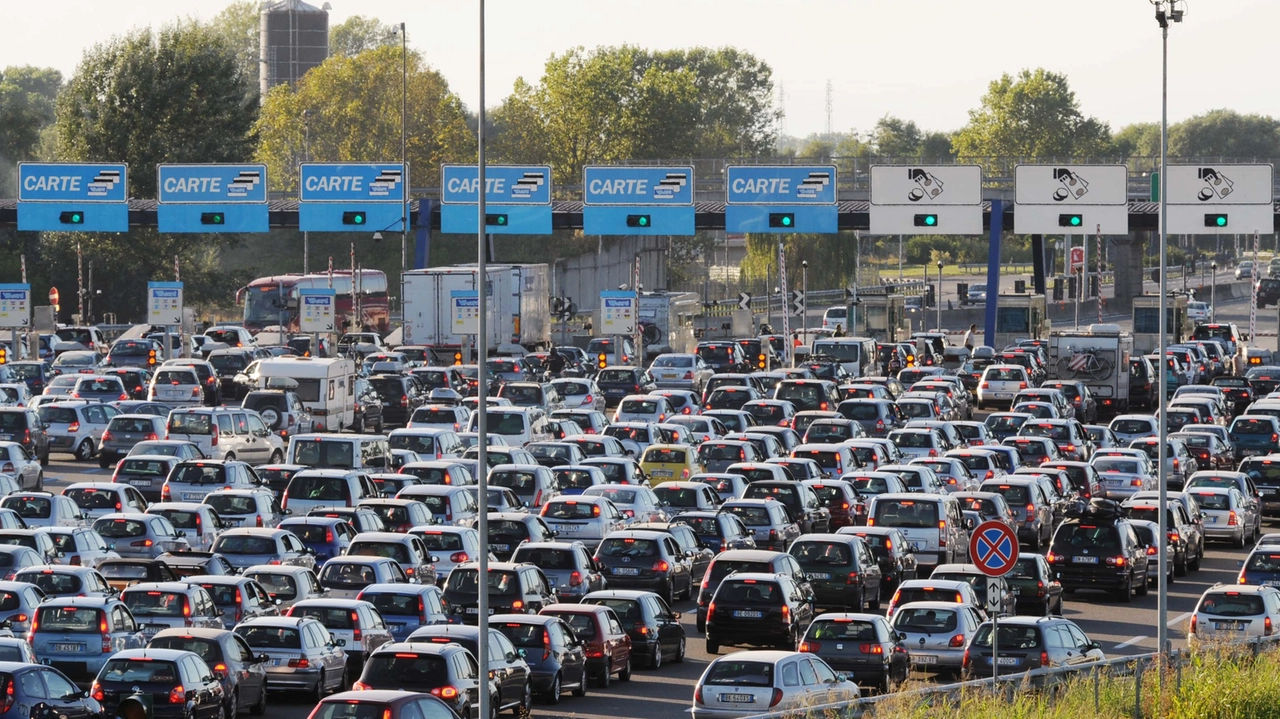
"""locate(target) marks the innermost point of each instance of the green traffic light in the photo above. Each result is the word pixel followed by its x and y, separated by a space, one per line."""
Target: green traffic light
pixel 931 220
pixel 644 221
pixel 71 218
pixel 1222 221
pixel 786 220
pixel 1075 220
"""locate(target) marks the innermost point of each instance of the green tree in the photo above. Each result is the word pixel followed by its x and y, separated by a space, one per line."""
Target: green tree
pixel 27 97
pixel 237 25
pixel 177 95
pixel 736 116
pixel 895 137
pixel 358 34
pixel 1225 133
pixel 348 109
pixel 1141 139
pixel 1033 116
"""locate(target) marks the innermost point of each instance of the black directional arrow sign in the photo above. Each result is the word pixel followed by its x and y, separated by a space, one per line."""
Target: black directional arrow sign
pixel 744 301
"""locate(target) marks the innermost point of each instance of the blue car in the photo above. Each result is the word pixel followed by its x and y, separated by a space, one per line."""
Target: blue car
pixel 1262 567
pixel 329 537
pixel 76 635
pixel 405 607
pixel 24 692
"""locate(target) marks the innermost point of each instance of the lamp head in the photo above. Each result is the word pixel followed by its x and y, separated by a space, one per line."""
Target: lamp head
pixel 377 237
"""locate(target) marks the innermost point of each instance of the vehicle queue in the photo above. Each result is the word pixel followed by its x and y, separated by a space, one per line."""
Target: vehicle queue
pixel 817 514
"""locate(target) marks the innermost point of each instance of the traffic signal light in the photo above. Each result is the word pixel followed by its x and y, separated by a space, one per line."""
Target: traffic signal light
pixel 926 220
pixel 762 362
pixel 495 220
pixel 74 217
pixel 1215 220
pixel 151 358
pixel 354 218
pixel 4 355
pixel 213 218
pixel 457 358
pixel 602 360
pixel 637 220
pixel 782 219
pixel 1070 220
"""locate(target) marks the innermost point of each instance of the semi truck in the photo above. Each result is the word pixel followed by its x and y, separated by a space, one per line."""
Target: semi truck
pixel 517 305
pixel 1099 357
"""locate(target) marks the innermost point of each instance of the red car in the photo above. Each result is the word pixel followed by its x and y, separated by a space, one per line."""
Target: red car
pixel 605 642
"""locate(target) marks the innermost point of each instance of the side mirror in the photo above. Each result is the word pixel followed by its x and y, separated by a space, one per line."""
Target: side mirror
pixel 182 533
pixel 261 659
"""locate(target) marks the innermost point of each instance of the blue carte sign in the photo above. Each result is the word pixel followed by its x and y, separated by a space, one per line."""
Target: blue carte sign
pixel 504 185
pixel 211 184
pixel 638 185
pixel 352 182
pixel 72 182
pixel 781 185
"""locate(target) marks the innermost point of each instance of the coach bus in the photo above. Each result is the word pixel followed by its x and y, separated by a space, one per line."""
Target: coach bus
pixel 271 301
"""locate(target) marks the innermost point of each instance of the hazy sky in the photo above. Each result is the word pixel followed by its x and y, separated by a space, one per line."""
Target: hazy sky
pixel 924 60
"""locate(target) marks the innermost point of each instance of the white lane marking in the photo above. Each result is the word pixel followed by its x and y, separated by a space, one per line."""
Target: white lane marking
pixel 1131 642
pixel 1179 619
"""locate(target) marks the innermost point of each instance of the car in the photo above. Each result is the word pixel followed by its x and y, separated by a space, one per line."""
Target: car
pixel 168 673
pixel 139 536
pixel 607 645
pixel 245 507
pixel 865 646
pixel 98 498
pixel 159 605
pixel 76 427
pixel 355 625
pixel 646 559
pixel 200 522
pixel 1233 613
pixel 282 411
pixel 235 666
pixel 68 634
pixel 407 550
pixel 123 432
pixel 1029 643
pixel 181 449
pixel 769 521
pixel 1100 550
pixel 555 655
pixel 54 580
pixel 746 560
pixel 842 570
pixel 287 642
pixel 42 509
pixel 1038 590
pixel 276 587
pixel 122 573
pixel 1228 514
pixel 655 630
pixel 758 609
pixel 746 683
pixel 247 546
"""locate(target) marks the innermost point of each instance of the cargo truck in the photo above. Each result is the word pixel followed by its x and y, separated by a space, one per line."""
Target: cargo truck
pixel 517 311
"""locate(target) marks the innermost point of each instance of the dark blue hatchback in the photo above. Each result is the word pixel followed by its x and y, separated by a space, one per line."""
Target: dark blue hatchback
pixel 329 537
pixel 1262 567
pixel 22 691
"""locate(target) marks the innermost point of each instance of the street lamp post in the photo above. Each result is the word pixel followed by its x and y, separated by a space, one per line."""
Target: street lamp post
pixel 804 294
pixel 404 168
pixel 482 377
pixel 1213 291
pixel 937 299
pixel 1163 16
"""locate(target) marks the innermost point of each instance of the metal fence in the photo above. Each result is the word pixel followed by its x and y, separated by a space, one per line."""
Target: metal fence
pixel 1136 673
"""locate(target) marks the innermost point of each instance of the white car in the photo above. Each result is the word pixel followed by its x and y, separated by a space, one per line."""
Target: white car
pixel 15 394
pixel 176 386
pixel 579 393
pixel 22 467
pixel 1231 613
pixel 42 509
pixel 1000 383
pixel 98 498
pixel 644 408
pixel 751 682
pixel 835 316
pixel 1198 311
pixel 583 518
pixel 76 427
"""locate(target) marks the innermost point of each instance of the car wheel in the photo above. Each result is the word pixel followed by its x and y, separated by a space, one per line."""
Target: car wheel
pixel 524 709
pixel 1180 568
pixel 1126 592
pixel 655 661
pixel 1146 584
pixel 605 677
pixel 1194 565
pixel 276 457
pixel 713 647
pixel 377 428
pixel 679 657
pixel 103 462
pixel 261 707
pixel 625 674
pixel 1239 543
pixel 232 709
pixel 581 691
pixel 44 458
pixel 553 693
pixel 875 602
pixel 358 425
pixel 319 692
pixel 668 593
pixel 84 451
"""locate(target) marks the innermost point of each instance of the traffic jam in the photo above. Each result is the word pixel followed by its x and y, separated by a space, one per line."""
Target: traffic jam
pixel 826 522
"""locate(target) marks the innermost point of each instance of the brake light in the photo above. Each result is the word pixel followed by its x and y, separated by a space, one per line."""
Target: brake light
pixel 299 663
pixel 1232 519
pixel 1116 561
pixel 362 687
pixel 777 697
pixel 661 566
pixel 1044 658
pixel 956 641
pixel 810 647
pixel 213 437
pixel 711 610
pixel 1193 624
pixel 95 692
pixel 445 692
pixel 106 437
pixel 73 427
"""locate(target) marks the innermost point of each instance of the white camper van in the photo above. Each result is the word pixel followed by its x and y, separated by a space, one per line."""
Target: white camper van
pixel 326 386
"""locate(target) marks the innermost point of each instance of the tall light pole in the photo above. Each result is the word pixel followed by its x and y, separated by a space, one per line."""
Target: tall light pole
pixel 1162 601
pixel 1213 291
pixel 804 304
pixel 482 375
pixel 937 299
pixel 404 168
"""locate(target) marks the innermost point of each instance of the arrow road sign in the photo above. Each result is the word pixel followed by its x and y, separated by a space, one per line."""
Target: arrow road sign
pixel 797 303
pixel 744 301
pixel 994 548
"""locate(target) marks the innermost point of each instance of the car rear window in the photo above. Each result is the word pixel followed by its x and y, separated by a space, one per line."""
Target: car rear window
pixel 269 637
pixel 71 620
pixel 828 553
pixel 119 528
pixel 749 591
pixel 326 489
pixel 583 625
pixel 906 513
pixel 1052 431
pixel 232 504
pixel 190 423
pixel 140 670
pixel 677 496
pixel 628 547
pixel 464 581
pixel 1013 638
pixel 391 550
pixel 154 603
pixel 245 544
pixel 751 516
pixel 29 507
pixel 279 586
pixel 730 672
pixel 1213 500
pixel 929 621
pixel 1087 536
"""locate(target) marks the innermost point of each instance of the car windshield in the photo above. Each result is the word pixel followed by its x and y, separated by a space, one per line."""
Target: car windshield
pixel 1232 604
pixel 732 672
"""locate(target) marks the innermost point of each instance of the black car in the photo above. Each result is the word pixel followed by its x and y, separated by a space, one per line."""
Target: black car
pixel 277 476
pixel 746 560
pixel 844 574
pixel 23 425
pixel 893 553
pixel 799 500
pixel 758 609
pixel 382 705
pixel 655 630
pixel 618 382
pixel 1237 390
pixel 1264 379
pixel 726 356
pixel 1039 591
pixel 646 559
pixel 444 670
pixel 400 397
pixel 687 540
pixel 513 679
pixel 512 588
pixel 177 684
pixel 243 675
pixel 24 691
pixel 1268 291
pixel 865 646
pixel 228 363
pixel 555 655
pixel 1099 549
pixel 368 411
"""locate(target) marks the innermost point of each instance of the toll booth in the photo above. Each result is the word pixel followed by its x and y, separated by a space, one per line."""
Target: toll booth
pixel 880 316
pixel 1020 317
pixel 1146 325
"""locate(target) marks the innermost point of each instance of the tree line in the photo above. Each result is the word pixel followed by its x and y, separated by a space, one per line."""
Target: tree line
pixel 188 92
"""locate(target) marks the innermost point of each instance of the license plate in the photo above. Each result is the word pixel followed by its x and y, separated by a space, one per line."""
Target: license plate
pixel 1266 492
pixel 502 547
pixel 1084 560
pixel 820 575
pixel 395 626
pixel 233 521
pixel 1211 519
pixel 150 629
pixel 670 375
pixel 747 614
pixel 1229 626
pixel 738 698
pixel 173 393
pixel 627 571
pixel 140 482
pixel 663 473
pixel 917 545
pixel 1115 482
pixel 924 659
pixel 568 528
pixel 275 662
pixel 473 610
pixel 192 496
pixel 68 647
pixel 1003 395
pixel 1008 661
pixel 6 437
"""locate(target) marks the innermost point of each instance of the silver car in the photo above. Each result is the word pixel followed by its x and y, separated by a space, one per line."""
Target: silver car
pixel 123 432
pixel 249 546
pixel 176 386
pixel 76 427
pixel 301 652
pixel 134 535
pixel 746 683
pixel 346 577
pixel 98 498
pixel 25 470
pixel 585 518
pixel 579 393
pixel 680 371
pixel 286 585
pixel 1228 514
pixel 936 632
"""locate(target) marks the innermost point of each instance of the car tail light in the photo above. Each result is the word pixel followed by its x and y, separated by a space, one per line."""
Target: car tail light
pixel 661 566
pixel 213 437
pixel 933 453
pixel 711 610
pixel 575 579
pixel 810 647
pixel 546 643
pixel 259 520
pixel 986 385
pixel 299 663
pixel 239 611
pixel 142 543
pixel 459 557
pixel 73 427
pixel 786 613
pixel 106 437
pixel 355 624
pixel 1116 561
pixel 871 648
pixel 1232 519
pixel 777 697
pixel 95 691
pixel 361 686
pixel 105 631
pixel 445 692
pixel 1044 658
pixel 852 578
pixel 697 693
pixel 1151 552
pixel 956 641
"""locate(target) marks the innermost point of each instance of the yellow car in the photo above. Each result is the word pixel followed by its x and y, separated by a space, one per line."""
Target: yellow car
pixel 669 462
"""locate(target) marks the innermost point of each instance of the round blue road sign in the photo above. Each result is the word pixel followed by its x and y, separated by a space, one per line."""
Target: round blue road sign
pixel 993 548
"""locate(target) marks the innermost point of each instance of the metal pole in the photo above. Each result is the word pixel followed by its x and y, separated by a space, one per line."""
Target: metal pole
pixel 937 298
pixel 1162 598
pixel 404 167
pixel 804 304
pixel 995 651
pixel 482 389
pixel 1213 293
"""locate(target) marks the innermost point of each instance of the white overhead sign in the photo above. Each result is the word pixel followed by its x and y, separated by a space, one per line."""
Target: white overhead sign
pixel 315 310
pixel 926 200
pixel 617 312
pixel 1071 199
pixel 164 303
pixel 465 309
pixel 1207 199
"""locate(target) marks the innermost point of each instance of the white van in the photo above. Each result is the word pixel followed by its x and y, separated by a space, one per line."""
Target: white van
pixel 518 425
pixel 367 452
pixel 856 354
pixel 326 386
pixel 932 523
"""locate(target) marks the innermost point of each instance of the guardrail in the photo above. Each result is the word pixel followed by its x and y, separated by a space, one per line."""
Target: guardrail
pixel 1130 670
